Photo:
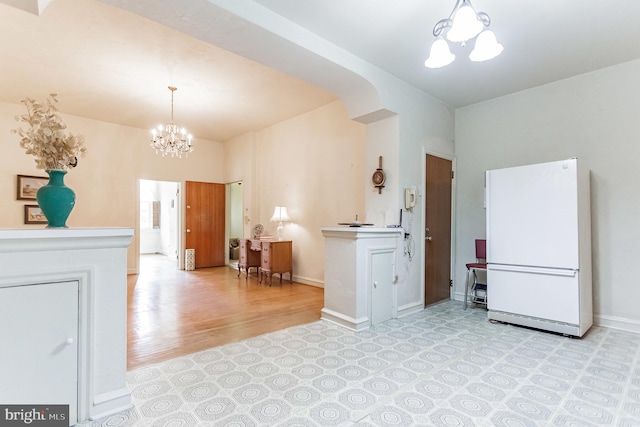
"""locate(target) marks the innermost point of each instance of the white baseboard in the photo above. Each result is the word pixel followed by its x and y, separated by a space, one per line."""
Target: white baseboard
pixel 307 281
pixel 615 322
pixel 458 296
pixel 346 321
pixel 411 308
pixel 110 403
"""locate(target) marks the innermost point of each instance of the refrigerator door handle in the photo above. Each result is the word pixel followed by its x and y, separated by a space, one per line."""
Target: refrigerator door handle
pixel 534 270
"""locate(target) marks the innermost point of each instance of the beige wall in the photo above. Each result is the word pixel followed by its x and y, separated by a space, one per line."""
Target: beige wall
pixel 239 160
pixel 106 180
pixel 314 165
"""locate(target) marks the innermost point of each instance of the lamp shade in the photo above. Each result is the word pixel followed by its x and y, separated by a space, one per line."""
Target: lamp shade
pixel 487 47
pixel 465 25
pixel 280 214
pixel 440 54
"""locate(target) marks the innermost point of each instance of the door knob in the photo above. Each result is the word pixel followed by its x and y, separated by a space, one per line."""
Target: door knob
pixel 375 284
pixel 188 230
pixel 69 341
pixel 428 238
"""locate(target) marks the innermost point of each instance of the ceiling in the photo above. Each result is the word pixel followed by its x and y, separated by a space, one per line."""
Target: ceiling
pixel 544 40
pixel 113 65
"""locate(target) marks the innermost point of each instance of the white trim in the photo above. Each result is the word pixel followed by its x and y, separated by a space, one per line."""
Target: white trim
pixel 50 239
pixel 307 281
pixel 411 308
pixel 615 322
pixel 346 321
pixel 110 403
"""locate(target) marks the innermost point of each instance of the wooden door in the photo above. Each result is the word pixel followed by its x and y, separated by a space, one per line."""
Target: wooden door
pixel 205 220
pixel 437 275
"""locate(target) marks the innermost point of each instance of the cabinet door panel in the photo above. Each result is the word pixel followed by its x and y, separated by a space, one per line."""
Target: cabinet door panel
pixel 381 286
pixel 39 332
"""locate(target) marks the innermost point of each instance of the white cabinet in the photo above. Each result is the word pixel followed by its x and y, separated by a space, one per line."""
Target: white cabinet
pixel 359 275
pixel 40 345
pixel 63 319
pixel 382 293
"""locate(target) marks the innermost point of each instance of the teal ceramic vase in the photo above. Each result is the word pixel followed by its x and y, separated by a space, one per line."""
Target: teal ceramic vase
pixel 56 200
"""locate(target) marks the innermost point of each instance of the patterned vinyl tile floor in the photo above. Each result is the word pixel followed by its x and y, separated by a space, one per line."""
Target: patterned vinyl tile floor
pixel 440 367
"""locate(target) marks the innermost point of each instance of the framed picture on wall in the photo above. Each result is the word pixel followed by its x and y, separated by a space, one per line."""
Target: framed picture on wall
pixel 33 215
pixel 28 186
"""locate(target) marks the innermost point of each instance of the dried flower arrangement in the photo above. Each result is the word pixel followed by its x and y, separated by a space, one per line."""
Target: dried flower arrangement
pixel 45 138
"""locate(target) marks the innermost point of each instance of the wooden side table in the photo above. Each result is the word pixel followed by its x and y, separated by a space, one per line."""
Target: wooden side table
pixel 249 257
pixel 276 259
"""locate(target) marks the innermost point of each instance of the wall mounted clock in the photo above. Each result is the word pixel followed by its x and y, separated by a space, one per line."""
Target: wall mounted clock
pixel 379 177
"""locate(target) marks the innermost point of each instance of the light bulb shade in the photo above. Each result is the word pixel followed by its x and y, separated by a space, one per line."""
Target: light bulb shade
pixel 466 25
pixel 487 47
pixel 440 54
pixel 280 214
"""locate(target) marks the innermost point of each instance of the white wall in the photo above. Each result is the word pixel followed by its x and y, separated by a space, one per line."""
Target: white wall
pixel 593 117
pixel 422 125
pixel 425 126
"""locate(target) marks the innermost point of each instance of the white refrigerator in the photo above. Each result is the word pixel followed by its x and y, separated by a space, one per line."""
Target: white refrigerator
pixel 539 247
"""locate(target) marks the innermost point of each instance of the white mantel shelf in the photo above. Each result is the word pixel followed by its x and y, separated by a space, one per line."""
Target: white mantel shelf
pixel 28 240
pixel 360 232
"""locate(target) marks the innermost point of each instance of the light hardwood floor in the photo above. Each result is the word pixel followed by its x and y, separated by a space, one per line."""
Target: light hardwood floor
pixel 174 312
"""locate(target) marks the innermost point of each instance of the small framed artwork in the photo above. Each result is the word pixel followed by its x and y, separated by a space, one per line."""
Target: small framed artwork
pixel 33 215
pixel 28 186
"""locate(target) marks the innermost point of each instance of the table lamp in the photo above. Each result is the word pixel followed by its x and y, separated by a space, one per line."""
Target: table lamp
pixel 280 216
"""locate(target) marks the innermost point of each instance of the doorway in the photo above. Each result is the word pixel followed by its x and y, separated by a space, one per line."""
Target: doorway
pixel 236 220
pixel 159 219
pixel 437 244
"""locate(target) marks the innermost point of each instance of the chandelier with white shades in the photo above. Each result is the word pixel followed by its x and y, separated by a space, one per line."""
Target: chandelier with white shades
pixel 170 139
pixel 462 25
